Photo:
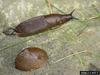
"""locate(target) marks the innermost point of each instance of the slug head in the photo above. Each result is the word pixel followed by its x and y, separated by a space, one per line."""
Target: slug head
pixel 70 15
pixel 9 31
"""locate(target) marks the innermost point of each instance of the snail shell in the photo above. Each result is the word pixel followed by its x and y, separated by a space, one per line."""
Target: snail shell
pixel 31 58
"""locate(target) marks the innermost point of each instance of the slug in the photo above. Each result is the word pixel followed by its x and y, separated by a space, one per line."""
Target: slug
pixel 31 58
pixel 39 24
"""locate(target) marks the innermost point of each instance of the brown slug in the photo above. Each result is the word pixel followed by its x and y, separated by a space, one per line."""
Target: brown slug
pixel 31 58
pixel 39 24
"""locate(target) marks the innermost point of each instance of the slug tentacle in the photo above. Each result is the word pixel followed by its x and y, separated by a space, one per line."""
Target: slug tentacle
pixel 71 15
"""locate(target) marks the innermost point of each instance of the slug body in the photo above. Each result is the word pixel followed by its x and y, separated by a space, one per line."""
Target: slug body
pixel 31 58
pixel 41 23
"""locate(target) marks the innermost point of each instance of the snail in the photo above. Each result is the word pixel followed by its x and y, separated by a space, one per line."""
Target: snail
pixel 31 58
pixel 39 24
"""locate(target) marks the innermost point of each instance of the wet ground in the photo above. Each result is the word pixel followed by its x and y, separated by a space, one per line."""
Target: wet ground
pixel 71 47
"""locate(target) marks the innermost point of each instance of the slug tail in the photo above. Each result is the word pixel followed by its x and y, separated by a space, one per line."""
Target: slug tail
pixel 9 31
